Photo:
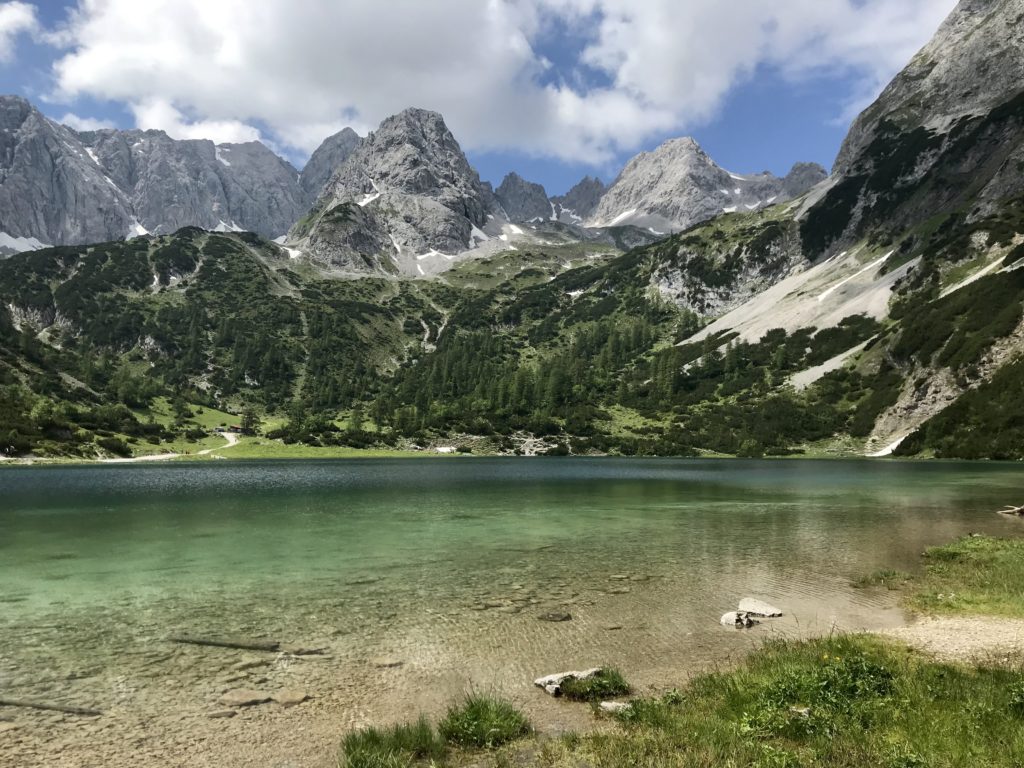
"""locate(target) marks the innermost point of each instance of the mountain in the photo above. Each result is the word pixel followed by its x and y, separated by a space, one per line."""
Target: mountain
pixel 51 190
pixel 579 202
pixel 678 185
pixel 328 157
pixel 523 200
pixel 880 312
pixel 59 186
pixel 407 193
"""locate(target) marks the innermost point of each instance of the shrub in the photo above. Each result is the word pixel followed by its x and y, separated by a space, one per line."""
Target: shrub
pixel 483 721
pixel 606 684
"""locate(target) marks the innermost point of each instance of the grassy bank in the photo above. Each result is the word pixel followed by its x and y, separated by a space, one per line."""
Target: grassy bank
pixel 851 701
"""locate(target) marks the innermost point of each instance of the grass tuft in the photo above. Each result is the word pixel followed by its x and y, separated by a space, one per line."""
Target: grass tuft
pixel 393 747
pixel 891 580
pixel 606 684
pixel 483 721
pixel 975 575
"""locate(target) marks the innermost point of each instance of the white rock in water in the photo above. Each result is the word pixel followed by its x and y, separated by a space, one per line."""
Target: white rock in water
pixel 759 608
pixel 613 707
pixel 553 683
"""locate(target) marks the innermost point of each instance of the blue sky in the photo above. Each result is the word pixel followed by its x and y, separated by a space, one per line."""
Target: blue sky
pixel 553 89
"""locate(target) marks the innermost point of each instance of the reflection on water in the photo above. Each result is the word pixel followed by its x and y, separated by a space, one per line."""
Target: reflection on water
pixel 446 564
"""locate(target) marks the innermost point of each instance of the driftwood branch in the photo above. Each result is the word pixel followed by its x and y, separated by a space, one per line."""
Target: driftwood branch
pixel 1010 510
pixel 242 645
pixel 50 707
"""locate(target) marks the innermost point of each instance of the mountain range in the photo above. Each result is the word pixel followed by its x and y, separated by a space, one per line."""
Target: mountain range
pixel 874 311
pixel 381 203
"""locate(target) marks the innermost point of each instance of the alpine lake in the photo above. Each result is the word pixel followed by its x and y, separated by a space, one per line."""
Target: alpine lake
pixel 394 586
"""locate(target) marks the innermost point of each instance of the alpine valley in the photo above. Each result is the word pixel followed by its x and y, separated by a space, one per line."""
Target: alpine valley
pixel 385 297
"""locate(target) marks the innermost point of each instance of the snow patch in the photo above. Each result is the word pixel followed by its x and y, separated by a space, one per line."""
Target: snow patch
pixel 503 238
pixel 653 231
pixel 219 154
pixel 281 240
pixel 394 242
pixel 515 230
pixel 293 253
pixel 92 153
pixel 729 209
pixel 621 217
pixel 420 269
pixel 752 207
pixel 367 199
pixel 772 199
pixel 19 244
pixel 738 178
pixel 224 227
pixel 736 191
pixel 889 450
pixel 841 283
pixel 136 230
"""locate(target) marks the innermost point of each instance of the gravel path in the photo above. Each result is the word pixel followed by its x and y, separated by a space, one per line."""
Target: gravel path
pixel 964 638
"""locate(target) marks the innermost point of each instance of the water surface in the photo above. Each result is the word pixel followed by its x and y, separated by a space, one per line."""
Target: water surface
pixel 443 565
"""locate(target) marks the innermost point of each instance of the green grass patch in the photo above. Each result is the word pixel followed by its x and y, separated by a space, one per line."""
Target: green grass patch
pixel 394 747
pixel 975 575
pixel 886 578
pixel 606 684
pixel 843 702
pixel 484 722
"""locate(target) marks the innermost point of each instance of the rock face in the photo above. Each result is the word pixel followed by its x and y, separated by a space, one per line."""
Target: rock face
pixel 580 202
pixel 51 191
pixel 330 156
pixel 523 200
pixel 59 186
pixel 172 184
pixel 678 185
pixel 407 190
pixel 945 135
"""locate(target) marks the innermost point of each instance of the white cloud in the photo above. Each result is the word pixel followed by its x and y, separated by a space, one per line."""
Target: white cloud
pixel 300 69
pixel 80 123
pixel 15 19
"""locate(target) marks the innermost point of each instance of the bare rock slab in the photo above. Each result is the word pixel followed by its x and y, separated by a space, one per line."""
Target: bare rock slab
pixel 244 697
pixel 759 608
pixel 613 707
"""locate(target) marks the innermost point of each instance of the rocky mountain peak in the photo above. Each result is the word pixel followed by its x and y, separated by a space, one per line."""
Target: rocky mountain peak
pixel 523 200
pixel 678 185
pixel 580 201
pixel 972 64
pixel 328 157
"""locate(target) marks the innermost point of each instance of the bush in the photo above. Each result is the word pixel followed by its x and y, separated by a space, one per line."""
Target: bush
pixel 393 747
pixel 483 721
pixel 606 684
pixel 114 445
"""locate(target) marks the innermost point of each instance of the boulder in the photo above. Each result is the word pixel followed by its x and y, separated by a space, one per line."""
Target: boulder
pixel 613 707
pixel 754 607
pixel 244 697
pixel 290 698
pixel 738 619
pixel 553 683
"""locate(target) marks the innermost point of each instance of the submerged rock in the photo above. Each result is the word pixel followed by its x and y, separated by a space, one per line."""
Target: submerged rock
pixel 738 619
pixel 754 607
pixel 553 683
pixel 555 616
pixel 244 697
pixel 290 698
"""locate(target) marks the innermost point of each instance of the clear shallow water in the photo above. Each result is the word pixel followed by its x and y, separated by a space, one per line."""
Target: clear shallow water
pixel 445 565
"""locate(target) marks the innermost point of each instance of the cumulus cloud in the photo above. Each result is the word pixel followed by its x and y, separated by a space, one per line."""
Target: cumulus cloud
pixel 15 19
pixel 292 71
pixel 79 123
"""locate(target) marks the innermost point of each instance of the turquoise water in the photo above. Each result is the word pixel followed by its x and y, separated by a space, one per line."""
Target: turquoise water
pixel 445 565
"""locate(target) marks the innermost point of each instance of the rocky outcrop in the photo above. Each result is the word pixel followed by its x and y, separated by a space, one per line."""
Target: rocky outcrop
pixel 552 684
pixel 406 192
pixel 328 158
pixel 679 185
pixel 523 200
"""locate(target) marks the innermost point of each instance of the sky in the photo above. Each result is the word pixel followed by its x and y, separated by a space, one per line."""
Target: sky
pixel 552 89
